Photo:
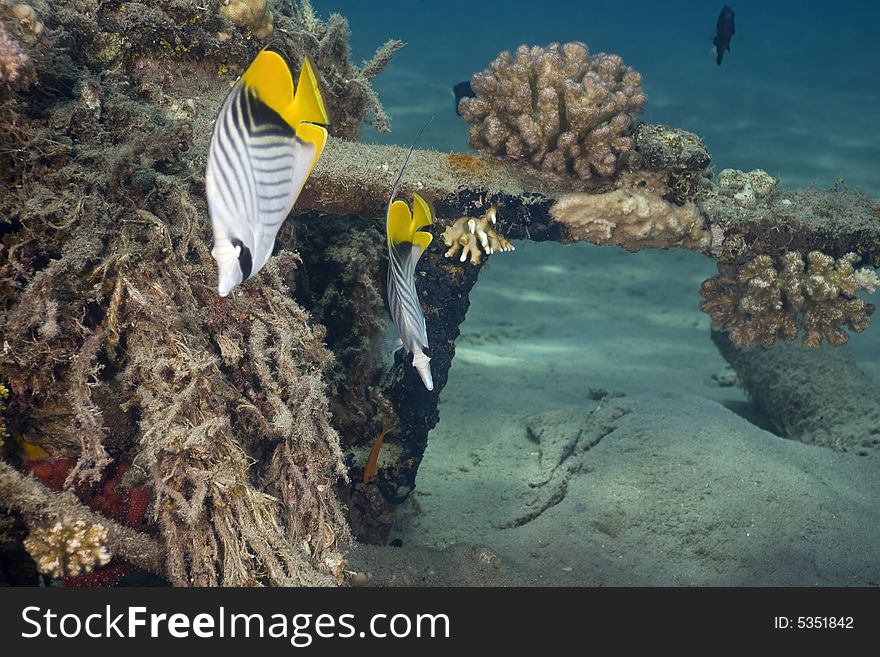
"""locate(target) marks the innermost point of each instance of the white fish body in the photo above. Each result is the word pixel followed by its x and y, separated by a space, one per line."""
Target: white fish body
pixel 264 146
pixel 406 244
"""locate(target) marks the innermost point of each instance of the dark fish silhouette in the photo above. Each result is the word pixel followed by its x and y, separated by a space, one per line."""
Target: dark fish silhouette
pixel 724 30
pixel 462 90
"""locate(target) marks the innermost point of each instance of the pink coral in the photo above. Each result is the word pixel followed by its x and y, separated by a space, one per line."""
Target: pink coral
pixel 556 107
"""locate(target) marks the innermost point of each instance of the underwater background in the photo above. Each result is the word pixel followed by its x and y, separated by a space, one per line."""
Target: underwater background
pixel 585 426
pixel 798 95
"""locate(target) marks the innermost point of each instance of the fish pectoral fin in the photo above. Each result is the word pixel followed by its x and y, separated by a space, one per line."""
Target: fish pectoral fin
pixel 392 344
pixel 307 105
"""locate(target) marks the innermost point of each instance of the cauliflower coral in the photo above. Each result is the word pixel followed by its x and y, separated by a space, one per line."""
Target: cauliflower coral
pixel 557 108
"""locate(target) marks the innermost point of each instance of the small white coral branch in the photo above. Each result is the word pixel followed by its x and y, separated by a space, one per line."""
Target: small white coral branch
pixel 68 548
pixel 464 233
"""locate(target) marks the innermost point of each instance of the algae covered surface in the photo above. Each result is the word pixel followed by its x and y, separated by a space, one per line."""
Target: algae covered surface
pixel 117 348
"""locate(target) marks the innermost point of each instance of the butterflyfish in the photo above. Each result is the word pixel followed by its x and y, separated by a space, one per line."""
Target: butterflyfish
pixel 265 144
pixel 406 244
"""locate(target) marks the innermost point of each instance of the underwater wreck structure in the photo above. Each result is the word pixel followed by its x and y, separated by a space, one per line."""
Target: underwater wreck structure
pixel 224 441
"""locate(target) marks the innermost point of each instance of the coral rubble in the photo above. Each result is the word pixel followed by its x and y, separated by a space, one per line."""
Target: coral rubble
pixel 557 108
pixel 767 298
pixel 631 219
pixel 469 235
pixel 68 548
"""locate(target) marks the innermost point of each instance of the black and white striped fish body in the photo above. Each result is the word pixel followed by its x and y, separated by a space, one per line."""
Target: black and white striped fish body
pixel 406 244
pixel 262 151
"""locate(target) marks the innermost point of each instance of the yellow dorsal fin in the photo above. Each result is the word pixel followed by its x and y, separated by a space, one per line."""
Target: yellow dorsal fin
pixel 421 212
pixel 399 222
pixel 403 225
pixel 270 78
pixel 307 106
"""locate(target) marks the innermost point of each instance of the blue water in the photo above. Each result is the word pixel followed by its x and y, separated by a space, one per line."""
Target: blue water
pixel 798 95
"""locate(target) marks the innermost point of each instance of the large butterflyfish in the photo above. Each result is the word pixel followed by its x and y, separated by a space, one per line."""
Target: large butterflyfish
pixel 265 144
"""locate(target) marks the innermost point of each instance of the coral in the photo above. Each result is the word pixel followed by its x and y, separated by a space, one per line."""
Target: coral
pixel 631 219
pixel 13 60
pixel 748 189
pixel 30 26
pixel 679 154
pixel 469 235
pixel 557 108
pixel 253 15
pixel 30 498
pixel 68 548
pixel 766 298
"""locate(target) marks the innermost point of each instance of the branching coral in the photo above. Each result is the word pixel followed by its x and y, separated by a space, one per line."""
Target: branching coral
pixel 557 108
pixel 41 505
pixel 68 548
pixel 470 235
pixel 765 299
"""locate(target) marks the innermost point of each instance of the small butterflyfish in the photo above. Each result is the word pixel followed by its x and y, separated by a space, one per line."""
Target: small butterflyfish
pixel 406 244
pixel 265 144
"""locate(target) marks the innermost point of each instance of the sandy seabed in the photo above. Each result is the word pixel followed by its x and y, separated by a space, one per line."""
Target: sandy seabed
pixel 591 434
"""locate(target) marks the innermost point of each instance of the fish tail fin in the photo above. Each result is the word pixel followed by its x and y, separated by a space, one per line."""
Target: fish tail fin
pixel 422 364
pixel 399 223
